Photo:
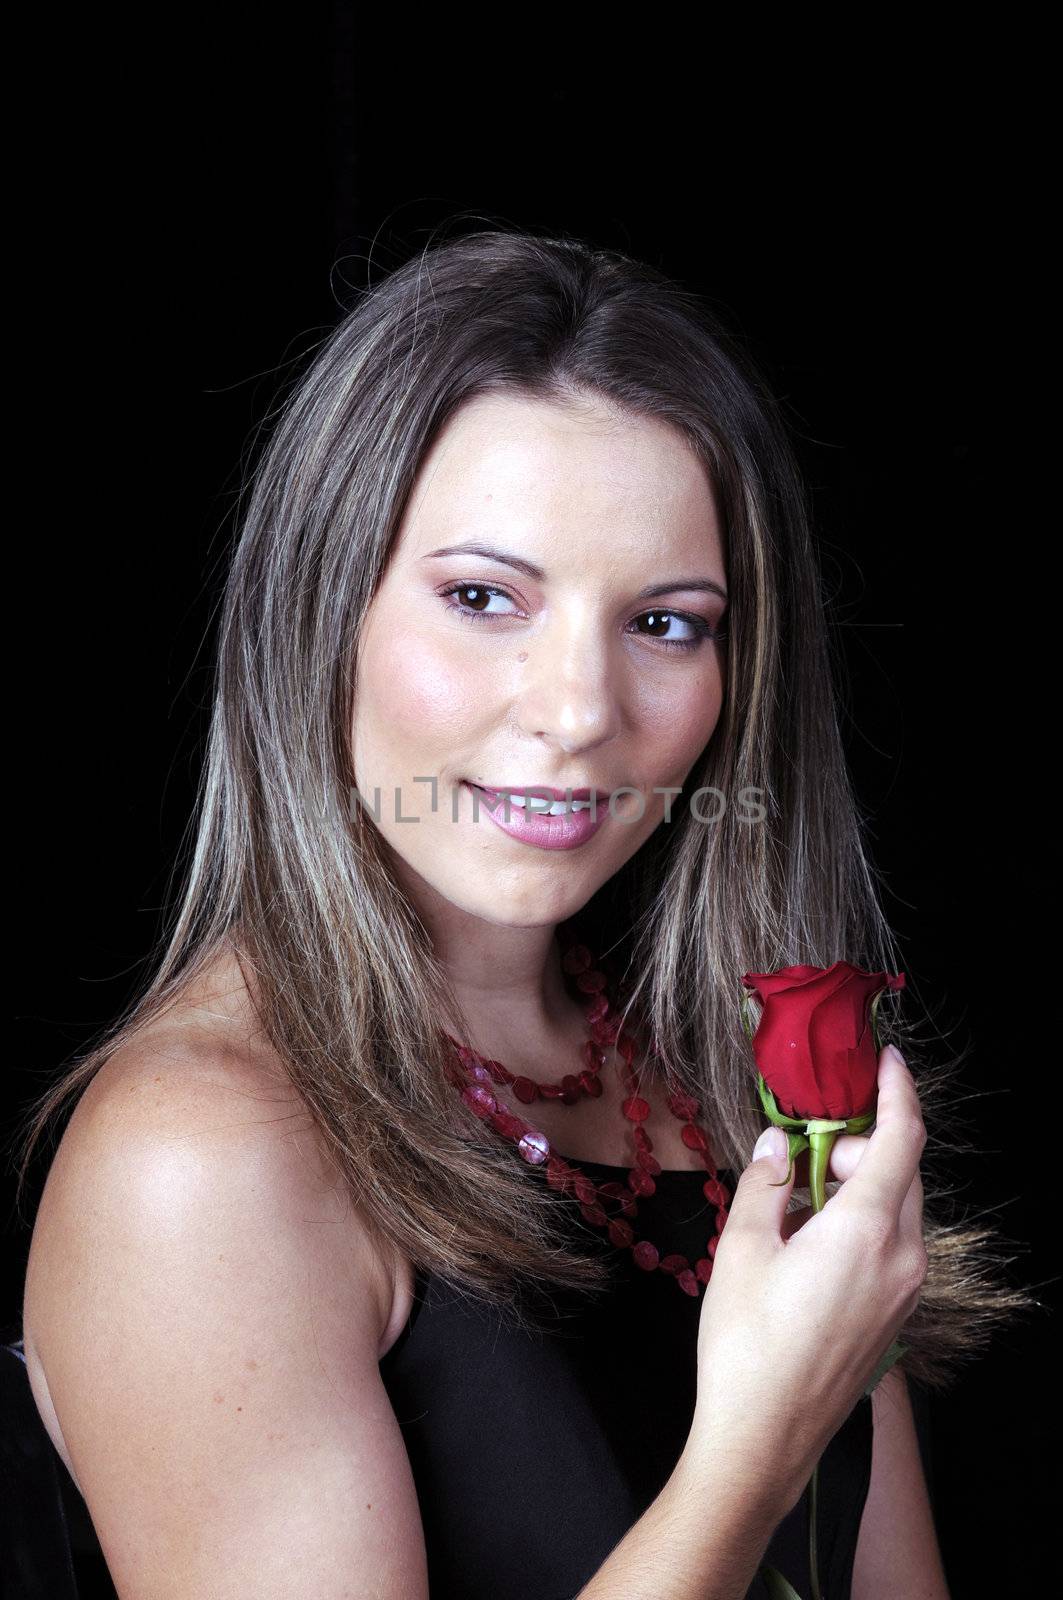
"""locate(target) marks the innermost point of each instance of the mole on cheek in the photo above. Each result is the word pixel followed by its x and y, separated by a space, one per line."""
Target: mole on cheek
pixel 523 656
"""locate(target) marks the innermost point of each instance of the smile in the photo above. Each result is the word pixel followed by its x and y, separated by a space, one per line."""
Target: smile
pixel 556 808
pixel 560 824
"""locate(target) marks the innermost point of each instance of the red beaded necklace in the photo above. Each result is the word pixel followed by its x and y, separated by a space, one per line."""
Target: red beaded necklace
pixel 535 1148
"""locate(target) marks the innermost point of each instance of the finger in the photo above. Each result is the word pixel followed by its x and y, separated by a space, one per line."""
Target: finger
pixel 845 1154
pixel 890 1161
pixel 911 1219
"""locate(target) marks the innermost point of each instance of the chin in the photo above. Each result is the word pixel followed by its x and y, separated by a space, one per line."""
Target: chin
pixel 520 909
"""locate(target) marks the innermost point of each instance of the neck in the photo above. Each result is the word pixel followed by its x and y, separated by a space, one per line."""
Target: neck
pixel 506 979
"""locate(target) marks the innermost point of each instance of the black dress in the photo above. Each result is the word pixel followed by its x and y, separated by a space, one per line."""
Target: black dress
pixel 534 1453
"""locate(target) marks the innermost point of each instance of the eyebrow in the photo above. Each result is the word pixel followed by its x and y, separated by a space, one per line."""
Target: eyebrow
pixel 530 570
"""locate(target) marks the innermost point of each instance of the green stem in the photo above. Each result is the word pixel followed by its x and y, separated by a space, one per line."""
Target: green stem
pixel 777 1586
pixel 821 1137
pixel 821 1133
pixel 812 1519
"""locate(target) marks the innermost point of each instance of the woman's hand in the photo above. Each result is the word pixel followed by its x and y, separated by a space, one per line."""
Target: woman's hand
pixel 800 1308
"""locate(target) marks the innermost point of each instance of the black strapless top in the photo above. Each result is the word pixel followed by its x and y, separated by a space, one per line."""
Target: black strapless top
pixel 534 1453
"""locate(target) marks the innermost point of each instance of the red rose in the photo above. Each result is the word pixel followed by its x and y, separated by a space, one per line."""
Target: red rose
pixel 816 1051
pixel 814 1045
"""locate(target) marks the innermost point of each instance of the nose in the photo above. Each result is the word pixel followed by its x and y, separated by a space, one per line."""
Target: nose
pixel 572 688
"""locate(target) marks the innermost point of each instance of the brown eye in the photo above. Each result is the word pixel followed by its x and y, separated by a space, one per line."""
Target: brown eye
pixel 481 595
pixel 700 630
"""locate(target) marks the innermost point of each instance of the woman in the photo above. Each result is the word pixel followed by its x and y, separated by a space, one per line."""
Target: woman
pixel 308 1310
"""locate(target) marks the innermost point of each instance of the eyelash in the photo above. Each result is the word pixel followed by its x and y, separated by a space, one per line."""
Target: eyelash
pixel 702 629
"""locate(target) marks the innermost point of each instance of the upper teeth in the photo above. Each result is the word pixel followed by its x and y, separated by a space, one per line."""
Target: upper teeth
pixel 556 808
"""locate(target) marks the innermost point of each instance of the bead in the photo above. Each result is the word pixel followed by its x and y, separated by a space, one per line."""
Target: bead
pixel 498 1072
pixel 550 1091
pixel 595 1214
pixel 648 1163
pixel 642 1138
pixel 512 1127
pixel 682 1105
pixel 603 1030
pixel 597 1011
pixel 481 1073
pixel 641 1183
pixel 591 982
pixel 557 1174
pixel 482 1100
pixel 620 1233
pixel 614 1191
pixel 592 1057
pixel 534 1147
pixel 721 1219
pixel 525 1090
pixel 688 1282
pixel 636 1110
pixel 715 1192
pixel 674 1264
pixel 577 959
pixel 591 1084
pixel 585 1189
pixel 646 1255
pixel 693 1138
pixel 625 1045
pixel 570 1089
pixel 703 1269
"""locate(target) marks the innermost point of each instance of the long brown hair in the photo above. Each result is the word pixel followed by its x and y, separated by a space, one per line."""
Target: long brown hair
pixel 290 877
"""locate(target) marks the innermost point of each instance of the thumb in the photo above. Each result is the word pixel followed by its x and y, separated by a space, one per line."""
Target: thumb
pixel 772 1144
pixel 765 1180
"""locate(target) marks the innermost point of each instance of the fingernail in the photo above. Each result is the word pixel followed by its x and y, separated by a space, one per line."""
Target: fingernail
pixel 892 1048
pixel 772 1142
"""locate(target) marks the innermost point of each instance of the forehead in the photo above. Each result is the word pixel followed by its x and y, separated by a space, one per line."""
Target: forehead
pixel 543 470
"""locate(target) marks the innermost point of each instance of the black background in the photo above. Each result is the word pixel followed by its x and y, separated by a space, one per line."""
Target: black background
pixel 872 233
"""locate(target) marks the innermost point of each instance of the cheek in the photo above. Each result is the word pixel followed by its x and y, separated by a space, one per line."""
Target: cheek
pixel 678 726
pixel 415 692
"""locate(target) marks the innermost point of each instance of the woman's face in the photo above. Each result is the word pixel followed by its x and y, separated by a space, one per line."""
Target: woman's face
pixel 513 643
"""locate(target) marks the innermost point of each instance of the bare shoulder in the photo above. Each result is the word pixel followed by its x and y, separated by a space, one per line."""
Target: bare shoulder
pixel 199 1105
pixel 204 1310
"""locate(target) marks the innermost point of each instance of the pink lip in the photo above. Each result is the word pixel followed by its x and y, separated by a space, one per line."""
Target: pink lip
pixel 566 832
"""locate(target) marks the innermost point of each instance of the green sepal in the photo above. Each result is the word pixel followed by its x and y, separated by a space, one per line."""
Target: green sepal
pixel 777 1586
pixel 771 1107
pixel 795 1143
pixel 856 1124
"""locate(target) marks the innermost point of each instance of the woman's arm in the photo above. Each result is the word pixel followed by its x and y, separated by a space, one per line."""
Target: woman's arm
pixel 703 1538
pixel 209 1310
pixel 897 1554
